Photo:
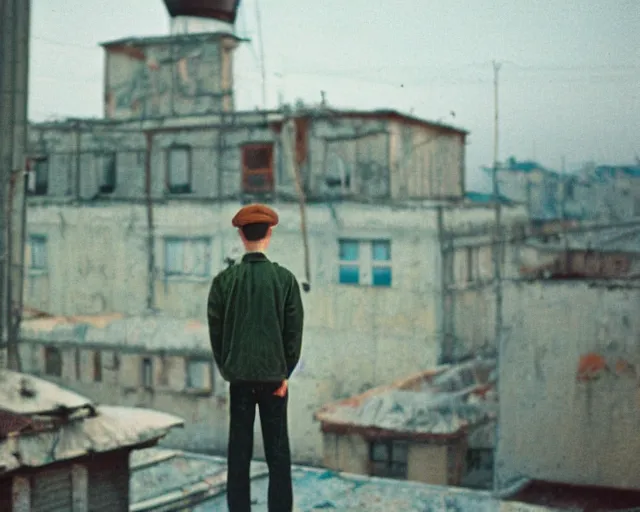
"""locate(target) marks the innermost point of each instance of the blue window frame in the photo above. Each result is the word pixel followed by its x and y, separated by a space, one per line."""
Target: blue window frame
pixel 349 262
pixel 359 266
pixel 381 263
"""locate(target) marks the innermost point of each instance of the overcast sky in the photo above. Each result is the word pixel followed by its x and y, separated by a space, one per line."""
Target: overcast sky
pixel 569 81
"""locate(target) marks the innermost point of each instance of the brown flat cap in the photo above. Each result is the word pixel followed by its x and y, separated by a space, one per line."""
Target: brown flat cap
pixel 253 214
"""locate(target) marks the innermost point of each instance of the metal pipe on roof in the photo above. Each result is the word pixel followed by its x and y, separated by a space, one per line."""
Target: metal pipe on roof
pixel 151 256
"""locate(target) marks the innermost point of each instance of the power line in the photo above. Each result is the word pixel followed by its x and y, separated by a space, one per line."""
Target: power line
pixel 64 43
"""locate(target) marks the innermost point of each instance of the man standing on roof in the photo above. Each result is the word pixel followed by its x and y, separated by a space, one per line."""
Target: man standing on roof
pixel 255 318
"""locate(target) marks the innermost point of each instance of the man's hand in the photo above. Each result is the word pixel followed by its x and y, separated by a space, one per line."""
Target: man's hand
pixel 282 390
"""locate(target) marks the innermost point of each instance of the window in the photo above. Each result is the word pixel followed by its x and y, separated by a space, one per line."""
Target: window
pixel 52 362
pixel 147 373
pixel 97 366
pixel 106 164
pixel 479 460
pixel 470 264
pixel 39 176
pixel 389 459
pixel 257 168
pixel 187 257
pixel 199 375
pixel 365 262
pixel 36 253
pixel 179 170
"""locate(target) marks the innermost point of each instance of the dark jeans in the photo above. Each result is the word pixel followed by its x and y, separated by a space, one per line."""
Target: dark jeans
pixel 273 418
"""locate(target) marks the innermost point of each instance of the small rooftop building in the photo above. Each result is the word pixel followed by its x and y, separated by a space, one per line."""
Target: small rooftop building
pixel 185 74
pixel 61 452
pixel 435 427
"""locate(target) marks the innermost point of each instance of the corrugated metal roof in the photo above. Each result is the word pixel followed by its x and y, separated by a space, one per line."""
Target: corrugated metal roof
pixel 199 482
pixel 445 402
pixel 150 332
pixel 110 429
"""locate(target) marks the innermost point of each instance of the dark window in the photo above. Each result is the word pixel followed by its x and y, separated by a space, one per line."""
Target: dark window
pixel 147 372
pixel 78 365
pixel 389 459
pixel 179 170
pixel 257 168
pixel 470 260
pixel 97 366
pixel 479 460
pixel 52 362
pixel 107 172
pixel 39 176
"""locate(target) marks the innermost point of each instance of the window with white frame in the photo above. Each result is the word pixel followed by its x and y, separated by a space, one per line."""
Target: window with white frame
pixel 199 375
pixel 365 262
pixel 187 257
pixel 36 253
pixel 179 170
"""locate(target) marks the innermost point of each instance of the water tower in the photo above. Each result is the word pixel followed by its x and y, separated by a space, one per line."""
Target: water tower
pixel 197 16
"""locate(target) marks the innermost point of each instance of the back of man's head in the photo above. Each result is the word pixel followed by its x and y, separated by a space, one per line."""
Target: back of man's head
pixel 255 232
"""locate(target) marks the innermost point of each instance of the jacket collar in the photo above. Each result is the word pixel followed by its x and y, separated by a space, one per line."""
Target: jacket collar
pixel 254 256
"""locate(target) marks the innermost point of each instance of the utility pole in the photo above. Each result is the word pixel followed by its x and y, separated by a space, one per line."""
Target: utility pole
pixel 497 245
pixel 262 64
pixel 14 79
pixel 497 262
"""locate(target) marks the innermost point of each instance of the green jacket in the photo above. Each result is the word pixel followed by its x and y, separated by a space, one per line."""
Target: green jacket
pixel 255 318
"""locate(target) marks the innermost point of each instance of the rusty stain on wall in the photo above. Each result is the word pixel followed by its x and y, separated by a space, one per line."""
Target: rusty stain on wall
pixel 592 366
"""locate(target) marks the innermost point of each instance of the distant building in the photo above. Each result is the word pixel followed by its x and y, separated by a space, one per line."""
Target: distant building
pixel 60 452
pixel 602 192
pixel 436 427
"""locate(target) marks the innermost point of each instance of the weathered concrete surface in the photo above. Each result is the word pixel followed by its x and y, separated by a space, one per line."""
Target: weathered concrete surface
pixel 355 154
pixel 171 75
pixel 355 336
pixel 569 368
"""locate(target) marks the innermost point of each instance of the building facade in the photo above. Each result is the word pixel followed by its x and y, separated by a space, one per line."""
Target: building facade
pixel 374 312
pixel 131 214
pixel 579 382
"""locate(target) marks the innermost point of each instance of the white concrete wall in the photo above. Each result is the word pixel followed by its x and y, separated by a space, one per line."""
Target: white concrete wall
pixel 552 425
pixel 355 336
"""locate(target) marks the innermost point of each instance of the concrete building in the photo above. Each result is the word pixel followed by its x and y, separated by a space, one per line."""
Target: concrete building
pixel 573 390
pixel 131 214
pixel 165 480
pixel 435 427
pixel 61 452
